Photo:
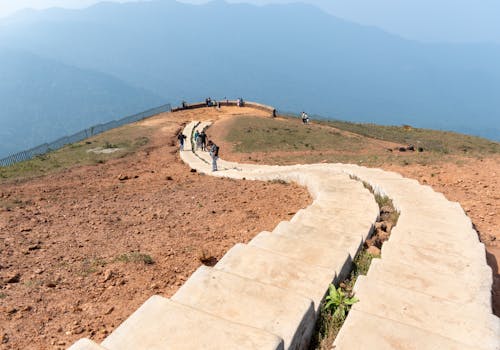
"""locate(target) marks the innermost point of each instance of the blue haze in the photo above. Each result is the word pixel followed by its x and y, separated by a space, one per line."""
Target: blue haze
pixel 293 56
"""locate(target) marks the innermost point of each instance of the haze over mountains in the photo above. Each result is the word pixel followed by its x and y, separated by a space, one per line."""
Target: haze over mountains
pixel 63 70
pixel 465 21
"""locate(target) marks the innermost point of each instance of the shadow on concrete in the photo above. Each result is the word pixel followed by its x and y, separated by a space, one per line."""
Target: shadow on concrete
pixel 495 292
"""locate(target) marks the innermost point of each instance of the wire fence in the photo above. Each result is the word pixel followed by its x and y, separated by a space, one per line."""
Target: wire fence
pixel 81 135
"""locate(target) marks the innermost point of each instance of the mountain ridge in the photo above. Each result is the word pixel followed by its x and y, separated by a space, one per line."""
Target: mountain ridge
pixel 295 56
pixel 74 99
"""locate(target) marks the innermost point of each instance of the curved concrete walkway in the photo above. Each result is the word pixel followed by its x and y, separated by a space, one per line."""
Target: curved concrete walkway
pixel 430 290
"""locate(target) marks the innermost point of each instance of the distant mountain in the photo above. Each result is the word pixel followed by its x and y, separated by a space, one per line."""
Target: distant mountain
pixel 42 100
pixel 465 21
pixel 293 56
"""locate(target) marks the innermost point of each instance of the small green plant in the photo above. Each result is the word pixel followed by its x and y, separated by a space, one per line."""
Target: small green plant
pixel 3 295
pixel 339 302
pixel 90 265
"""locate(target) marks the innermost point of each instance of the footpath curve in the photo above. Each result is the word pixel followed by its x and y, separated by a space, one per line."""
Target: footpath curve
pixel 430 289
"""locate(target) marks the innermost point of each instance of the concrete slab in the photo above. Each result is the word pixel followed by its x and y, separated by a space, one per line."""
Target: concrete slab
pixel 455 248
pixel 447 243
pixel 412 234
pixel 310 252
pixel 459 224
pixel 314 216
pixel 360 203
pixel 363 331
pixel 280 271
pixel 432 283
pixel 161 324
pixel 461 322
pixel 251 303
pixel 331 237
pixel 449 264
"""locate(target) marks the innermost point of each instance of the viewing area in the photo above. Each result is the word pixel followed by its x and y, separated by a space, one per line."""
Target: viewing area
pixel 431 288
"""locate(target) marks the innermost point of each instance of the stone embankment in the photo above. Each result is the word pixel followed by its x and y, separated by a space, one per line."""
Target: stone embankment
pixel 430 290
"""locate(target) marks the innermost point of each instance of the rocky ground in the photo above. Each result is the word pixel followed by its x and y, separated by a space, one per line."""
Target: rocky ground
pixel 81 249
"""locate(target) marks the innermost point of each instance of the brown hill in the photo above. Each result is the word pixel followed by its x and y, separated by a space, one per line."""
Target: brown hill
pixel 87 236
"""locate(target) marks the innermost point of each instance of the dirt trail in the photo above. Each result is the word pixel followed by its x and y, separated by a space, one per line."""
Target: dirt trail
pixel 75 246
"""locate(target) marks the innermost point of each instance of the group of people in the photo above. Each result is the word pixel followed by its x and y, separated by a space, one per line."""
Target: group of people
pixel 200 139
pixel 209 102
pixel 212 103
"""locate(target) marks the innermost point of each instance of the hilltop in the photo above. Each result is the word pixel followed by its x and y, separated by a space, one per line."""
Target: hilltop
pixel 87 236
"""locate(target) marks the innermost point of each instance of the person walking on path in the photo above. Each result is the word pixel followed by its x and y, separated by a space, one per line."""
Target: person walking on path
pixel 214 154
pixel 305 118
pixel 198 140
pixel 203 140
pixel 181 137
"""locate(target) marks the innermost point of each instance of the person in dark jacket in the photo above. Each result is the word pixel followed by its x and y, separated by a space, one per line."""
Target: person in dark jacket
pixel 203 140
pixel 214 154
pixel 181 137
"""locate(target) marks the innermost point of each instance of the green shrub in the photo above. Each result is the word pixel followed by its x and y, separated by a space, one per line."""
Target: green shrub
pixel 339 302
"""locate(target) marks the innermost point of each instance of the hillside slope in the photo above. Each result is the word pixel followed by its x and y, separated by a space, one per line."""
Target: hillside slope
pixel 43 99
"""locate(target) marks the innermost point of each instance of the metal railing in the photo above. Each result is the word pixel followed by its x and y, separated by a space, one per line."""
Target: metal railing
pixel 81 135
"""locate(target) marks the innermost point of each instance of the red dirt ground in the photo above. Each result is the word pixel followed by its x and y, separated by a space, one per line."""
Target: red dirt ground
pixel 70 249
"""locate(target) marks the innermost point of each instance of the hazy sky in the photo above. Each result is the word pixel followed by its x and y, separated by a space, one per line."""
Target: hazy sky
pixel 424 20
pixel 7 7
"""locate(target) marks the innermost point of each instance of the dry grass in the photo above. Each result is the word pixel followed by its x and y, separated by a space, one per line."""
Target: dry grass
pixel 128 139
pixel 287 141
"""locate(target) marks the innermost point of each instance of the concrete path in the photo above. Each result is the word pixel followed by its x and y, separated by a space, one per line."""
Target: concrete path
pixel 430 290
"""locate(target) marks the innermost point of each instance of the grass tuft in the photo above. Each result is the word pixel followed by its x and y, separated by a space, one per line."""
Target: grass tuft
pixel 135 257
